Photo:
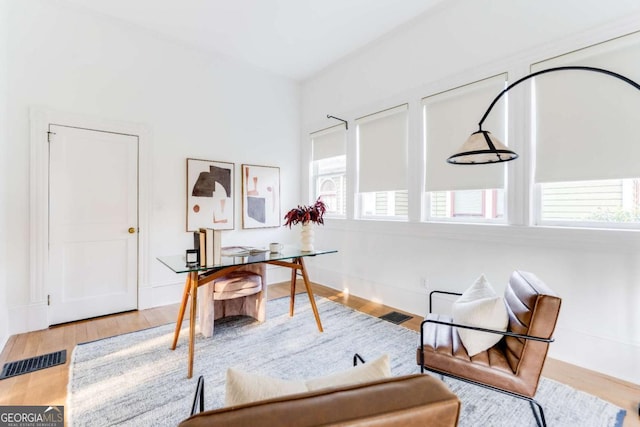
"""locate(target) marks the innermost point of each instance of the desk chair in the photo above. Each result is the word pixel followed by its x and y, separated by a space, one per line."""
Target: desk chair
pixel 241 292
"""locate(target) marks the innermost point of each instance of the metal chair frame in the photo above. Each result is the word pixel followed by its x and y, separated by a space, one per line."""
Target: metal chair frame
pixel 198 399
pixel 538 412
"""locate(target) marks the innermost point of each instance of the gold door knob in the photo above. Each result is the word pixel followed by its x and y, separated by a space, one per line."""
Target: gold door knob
pixel 132 230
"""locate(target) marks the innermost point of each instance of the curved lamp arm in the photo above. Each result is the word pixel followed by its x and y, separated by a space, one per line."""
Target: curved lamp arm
pixel 482 147
pixel 549 70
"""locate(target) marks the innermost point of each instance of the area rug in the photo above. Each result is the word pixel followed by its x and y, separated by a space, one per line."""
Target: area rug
pixel 134 379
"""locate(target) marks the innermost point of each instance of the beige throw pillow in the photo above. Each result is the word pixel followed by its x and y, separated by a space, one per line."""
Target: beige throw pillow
pixel 370 371
pixel 242 387
pixel 480 306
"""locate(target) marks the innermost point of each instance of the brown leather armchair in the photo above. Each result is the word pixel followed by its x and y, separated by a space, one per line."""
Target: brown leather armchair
pixel 512 366
pixel 408 401
pixel 241 292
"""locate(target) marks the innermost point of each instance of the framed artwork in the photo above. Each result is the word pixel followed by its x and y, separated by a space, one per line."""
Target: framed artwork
pixel 260 196
pixel 210 200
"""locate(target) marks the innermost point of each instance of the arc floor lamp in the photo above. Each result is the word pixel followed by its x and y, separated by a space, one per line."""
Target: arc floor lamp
pixel 482 147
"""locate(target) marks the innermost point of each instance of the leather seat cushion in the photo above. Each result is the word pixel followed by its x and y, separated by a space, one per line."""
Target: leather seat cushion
pixel 443 351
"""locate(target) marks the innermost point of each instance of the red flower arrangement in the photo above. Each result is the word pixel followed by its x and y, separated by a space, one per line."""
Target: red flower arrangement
pixel 304 214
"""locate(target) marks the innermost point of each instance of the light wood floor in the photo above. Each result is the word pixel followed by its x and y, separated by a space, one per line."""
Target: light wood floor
pixel 49 386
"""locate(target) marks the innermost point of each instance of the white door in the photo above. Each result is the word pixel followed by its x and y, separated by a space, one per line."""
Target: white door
pixel 93 223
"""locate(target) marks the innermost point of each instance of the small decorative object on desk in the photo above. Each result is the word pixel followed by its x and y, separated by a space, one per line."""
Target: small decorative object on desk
pixel 233 251
pixel 275 247
pixel 307 216
pixel 191 257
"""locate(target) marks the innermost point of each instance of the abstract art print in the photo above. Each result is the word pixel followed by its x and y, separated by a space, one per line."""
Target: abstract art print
pixel 260 196
pixel 209 195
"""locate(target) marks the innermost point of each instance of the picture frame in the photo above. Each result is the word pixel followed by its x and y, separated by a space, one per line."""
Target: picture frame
pixel 210 200
pixel 260 196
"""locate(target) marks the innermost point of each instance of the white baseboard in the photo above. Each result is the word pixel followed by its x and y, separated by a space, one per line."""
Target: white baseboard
pixel 614 358
pixel 34 317
pixel 27 318
pixel 3 342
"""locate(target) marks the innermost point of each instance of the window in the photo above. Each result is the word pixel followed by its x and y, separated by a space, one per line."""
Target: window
pixel 385 203
pixel 479 204
pixel 382 164
pixel 331 184
pixel 585 130
pixel 598 202
pixel 453 192
pixel 328 168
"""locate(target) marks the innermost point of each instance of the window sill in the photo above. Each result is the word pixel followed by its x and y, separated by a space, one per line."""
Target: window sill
pixel 610 239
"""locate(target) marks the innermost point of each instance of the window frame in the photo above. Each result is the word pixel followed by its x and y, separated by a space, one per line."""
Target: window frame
pixel 314 176
pixel 402 108
pixel 425 202
pixel 535 188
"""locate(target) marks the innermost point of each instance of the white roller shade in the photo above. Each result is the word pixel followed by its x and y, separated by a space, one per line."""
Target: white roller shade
pixel 587 124
pixel 449 118
pixel 382 150
pixel 330 142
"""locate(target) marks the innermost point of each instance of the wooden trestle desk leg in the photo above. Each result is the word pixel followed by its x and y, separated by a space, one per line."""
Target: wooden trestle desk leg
pixel 192 319
pixel 183 306
pixel 190 290
pixel 295 265
pixel 293 291
pixel 312 299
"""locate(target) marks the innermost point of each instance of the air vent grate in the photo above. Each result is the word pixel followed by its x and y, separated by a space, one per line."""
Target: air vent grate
pixel 395 317
pixel 12 369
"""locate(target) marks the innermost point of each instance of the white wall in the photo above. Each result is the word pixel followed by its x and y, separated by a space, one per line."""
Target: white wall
pixel 4 321
pixel 192 104
pixel 597 273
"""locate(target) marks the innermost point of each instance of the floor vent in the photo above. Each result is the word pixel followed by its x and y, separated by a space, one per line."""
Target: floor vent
pixel 12 369
pixel 395 317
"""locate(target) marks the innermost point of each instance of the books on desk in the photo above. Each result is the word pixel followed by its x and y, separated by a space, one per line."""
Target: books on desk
pixel 199 245
pixel 242 251
pixel 208 243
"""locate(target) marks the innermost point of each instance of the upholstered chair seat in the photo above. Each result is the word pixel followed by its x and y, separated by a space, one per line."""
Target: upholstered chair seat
pixel 236 284
pixel 242 292
pixel 446 353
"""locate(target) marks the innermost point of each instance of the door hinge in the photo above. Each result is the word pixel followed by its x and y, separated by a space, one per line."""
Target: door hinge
pixel 48 299
pixel 49 133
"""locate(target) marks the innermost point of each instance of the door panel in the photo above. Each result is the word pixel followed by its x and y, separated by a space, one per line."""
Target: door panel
pixel 93 201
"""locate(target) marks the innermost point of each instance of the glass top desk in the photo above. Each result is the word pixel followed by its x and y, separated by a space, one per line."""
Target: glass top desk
pixel 292 258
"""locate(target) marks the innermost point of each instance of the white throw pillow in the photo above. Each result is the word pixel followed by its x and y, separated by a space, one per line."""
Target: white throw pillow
pixel 480 306
pixel 370 371
pixel 242 387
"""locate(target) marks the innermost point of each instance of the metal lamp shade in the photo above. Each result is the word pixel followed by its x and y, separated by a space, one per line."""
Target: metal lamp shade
pixel 482 147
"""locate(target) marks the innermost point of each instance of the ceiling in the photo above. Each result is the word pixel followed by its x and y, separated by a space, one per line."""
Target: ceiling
pixel 293 38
